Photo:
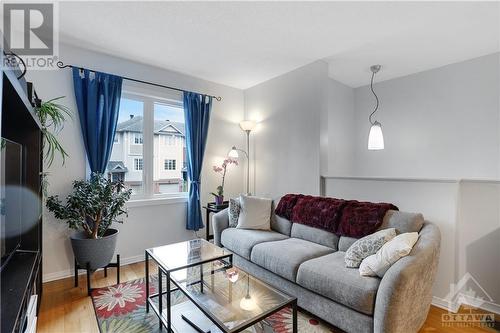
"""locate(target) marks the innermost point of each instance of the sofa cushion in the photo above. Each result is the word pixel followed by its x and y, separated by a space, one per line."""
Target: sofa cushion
pixel 403 221
pixel 285 256
pixel 328 276
pixel 280 224
pixel 346 242
pixel 241 241
pixel 315 235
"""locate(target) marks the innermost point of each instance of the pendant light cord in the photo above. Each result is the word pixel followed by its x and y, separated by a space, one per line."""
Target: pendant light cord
pixel 376 97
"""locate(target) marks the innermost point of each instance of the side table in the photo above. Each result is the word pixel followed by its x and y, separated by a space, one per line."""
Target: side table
pixel 211 207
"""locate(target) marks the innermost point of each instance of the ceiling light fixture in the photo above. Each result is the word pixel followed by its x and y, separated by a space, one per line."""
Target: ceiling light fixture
pixel 375 138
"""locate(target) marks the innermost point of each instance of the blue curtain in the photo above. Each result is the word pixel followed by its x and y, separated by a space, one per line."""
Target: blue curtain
pixel 197 116
pixel 98 101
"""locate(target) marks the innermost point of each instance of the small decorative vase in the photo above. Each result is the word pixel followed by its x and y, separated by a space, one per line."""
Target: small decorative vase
pixel 219 199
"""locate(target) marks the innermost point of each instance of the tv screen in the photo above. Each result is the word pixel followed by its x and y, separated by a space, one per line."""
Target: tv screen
pixel 11 196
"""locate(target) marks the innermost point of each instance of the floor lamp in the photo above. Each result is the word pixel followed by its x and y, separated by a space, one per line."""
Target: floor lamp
pixel 247 126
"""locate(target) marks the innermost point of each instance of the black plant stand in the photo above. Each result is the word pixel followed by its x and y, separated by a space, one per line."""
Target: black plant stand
pixel 87 268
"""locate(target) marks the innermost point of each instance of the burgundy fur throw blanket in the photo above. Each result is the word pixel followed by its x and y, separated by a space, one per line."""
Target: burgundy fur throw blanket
pixel 343 217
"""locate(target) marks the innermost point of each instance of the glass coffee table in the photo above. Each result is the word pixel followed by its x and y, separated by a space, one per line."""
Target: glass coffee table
pixel 217 296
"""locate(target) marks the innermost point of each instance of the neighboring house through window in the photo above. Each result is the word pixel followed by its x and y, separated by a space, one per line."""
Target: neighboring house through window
pixel 149 151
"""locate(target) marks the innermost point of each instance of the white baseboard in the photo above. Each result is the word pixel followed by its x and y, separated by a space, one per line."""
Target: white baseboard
pixel 69 272
pixel 465 300
pixel 444 304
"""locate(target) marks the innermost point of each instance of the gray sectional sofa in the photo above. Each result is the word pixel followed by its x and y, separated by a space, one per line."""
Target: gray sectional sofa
pixel 309 263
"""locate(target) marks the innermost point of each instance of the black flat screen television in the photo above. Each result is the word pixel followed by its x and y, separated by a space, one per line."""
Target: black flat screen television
pixel 11 195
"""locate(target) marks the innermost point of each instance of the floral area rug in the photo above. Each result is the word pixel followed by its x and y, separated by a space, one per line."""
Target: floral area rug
pixel 122 309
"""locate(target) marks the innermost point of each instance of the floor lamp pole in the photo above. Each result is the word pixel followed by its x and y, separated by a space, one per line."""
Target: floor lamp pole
pixel 248 162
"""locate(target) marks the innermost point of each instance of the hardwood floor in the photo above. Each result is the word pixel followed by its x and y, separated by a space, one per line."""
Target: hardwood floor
pixel 66 309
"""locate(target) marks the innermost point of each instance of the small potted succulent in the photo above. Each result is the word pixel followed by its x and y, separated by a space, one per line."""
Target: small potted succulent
pixel 90 209
pixel 219 194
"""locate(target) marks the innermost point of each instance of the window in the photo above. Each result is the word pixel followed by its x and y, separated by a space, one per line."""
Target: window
pixel 122 164
pixel 138 140
pixel 150 158
pixel 169 165
pixel 117 177
pixel 138 164
pixel 168 139
pixel 169 121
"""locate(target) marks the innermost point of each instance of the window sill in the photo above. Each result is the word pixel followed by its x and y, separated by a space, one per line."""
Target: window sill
pixel 155 201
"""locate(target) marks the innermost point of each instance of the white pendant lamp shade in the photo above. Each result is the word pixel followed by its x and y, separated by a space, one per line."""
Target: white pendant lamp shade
pixel 376 138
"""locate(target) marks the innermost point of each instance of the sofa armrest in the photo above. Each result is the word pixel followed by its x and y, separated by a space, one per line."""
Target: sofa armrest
pixel 405 292
pixel 220 221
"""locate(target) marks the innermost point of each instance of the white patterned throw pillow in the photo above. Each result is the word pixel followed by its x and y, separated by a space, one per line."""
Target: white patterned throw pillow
pixel 367 246
pixel 234 212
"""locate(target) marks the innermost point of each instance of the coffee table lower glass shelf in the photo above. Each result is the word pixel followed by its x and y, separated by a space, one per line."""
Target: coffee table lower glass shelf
pixel 225 299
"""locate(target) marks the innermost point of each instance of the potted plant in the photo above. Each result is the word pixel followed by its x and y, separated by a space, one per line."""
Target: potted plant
pixel 90 209
pixel 52 116
pixel 219 194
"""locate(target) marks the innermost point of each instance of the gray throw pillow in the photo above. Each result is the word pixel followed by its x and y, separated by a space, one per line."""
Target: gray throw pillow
pixel 234 212
pixel 367 246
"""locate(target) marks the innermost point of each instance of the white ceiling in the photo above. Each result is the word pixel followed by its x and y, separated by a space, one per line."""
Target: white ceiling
pixel 241 44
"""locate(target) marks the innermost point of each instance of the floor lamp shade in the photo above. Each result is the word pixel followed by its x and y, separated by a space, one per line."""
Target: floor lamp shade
pixel 233 153
pixel 247 125
pixel 376 137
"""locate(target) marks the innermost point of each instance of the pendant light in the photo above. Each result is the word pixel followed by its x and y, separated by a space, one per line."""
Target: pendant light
pixel 375 138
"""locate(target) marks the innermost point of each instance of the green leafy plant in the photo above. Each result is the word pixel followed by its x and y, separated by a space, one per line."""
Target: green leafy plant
pixel 52 116
pixel 93 206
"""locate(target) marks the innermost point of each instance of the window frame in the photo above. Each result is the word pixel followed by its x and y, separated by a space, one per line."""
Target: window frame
pixel 169 162
pixel 150 97
pixel 135 136
pixel 138 161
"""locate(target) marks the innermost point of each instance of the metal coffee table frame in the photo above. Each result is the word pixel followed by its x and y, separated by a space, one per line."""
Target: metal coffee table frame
pixel 167 321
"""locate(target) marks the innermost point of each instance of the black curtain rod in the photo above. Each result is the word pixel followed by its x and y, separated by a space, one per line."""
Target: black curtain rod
pixel 61 65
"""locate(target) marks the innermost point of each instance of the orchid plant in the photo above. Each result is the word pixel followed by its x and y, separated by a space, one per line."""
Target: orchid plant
pixel 222 169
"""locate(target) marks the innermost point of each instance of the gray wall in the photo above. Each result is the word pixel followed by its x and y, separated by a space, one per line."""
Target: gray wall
pixel 286 144
pixel 340 121
pixel 441 123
